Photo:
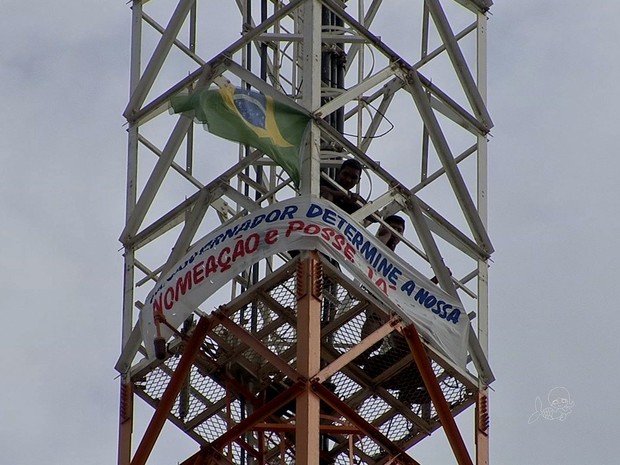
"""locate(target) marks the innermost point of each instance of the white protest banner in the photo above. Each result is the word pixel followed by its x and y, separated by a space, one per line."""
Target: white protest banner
pixel 306 223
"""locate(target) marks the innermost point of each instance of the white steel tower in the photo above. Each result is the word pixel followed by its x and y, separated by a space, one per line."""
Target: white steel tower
pixel 277 363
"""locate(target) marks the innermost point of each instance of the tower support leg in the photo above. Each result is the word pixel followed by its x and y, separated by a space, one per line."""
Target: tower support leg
pixel 308 359
pixel 125 426
pixel 170 394
pixel 443 409
pixel 482 428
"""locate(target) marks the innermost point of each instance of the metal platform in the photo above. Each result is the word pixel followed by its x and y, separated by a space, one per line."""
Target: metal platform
pixel 249 358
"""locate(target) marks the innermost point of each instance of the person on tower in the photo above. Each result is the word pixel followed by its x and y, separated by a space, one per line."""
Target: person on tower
pixel 348 176
pixel 375 320
pixel 408 381
pixel 387 236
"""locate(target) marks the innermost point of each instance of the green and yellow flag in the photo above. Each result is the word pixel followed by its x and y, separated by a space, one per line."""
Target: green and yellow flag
pixel 251 118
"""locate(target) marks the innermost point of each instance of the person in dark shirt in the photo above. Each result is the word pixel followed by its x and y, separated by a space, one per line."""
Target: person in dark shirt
pixel 407 381
pixel 375 320
pixel 348 176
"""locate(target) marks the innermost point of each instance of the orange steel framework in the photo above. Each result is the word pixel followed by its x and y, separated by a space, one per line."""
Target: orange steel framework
pixel 301 391
pixel 279 374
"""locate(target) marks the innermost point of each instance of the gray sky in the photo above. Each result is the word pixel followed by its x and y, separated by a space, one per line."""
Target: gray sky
pixel 553 212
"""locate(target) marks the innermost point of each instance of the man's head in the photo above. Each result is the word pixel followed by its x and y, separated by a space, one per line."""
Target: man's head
pixel 349 173
pixel 396 222
pixel 386 236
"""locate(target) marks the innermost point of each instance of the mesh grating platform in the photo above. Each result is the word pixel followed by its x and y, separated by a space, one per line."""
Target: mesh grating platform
pixel 232 377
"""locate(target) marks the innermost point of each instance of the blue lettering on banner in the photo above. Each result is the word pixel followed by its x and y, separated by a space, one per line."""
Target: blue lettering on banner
pixel 349 231
pixel 258 220
pixel 358 240
pixel 368 251
pixel 314 210
pixel 454 315
pixel 408 287
pixel 330 217
pixel 438 307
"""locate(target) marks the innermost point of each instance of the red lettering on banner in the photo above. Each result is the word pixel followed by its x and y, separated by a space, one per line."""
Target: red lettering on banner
pixel 338 242
pixel 239 250
pixel 169 298
pixel 184 284
pixel 198 270
pixel 328 233
pixel 157 305
pixel 381 285
pixel 312 229
pixel 349 252
pixel 271 236
pixel 252 243
pixel 223 259
pixel 211 266
pixel 293 226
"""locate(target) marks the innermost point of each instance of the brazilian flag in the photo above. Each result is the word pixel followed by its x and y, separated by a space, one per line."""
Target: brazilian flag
pixel 251 118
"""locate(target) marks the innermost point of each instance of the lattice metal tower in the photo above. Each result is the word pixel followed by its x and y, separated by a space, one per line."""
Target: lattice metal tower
pixel 273 367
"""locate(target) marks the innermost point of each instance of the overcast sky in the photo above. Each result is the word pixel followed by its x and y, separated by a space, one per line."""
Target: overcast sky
pixel 554 198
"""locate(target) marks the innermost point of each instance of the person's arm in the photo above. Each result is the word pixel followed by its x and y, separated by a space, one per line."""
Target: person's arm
pixel 330 193
pixel 333 193
pixel 348 201
pixel 326 191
